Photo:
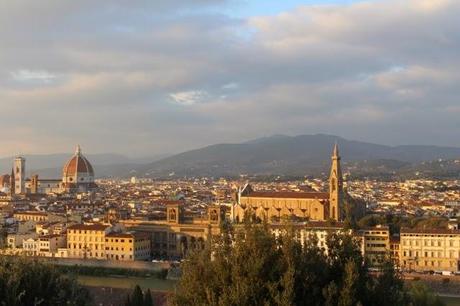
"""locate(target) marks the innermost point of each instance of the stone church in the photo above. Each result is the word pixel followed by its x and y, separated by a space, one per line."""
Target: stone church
pixel 319 206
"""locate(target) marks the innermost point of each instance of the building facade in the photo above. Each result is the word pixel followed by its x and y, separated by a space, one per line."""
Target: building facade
pixel 375 244
pixel 318 206
pixel 430 250
pixel 128 246
pixel 87 240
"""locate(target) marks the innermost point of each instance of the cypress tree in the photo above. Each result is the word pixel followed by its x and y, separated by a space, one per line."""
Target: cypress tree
pixel 148 301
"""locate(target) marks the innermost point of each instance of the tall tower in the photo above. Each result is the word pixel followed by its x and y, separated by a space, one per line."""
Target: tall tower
pixel 19 175
pixel 12 187
pixel 336 187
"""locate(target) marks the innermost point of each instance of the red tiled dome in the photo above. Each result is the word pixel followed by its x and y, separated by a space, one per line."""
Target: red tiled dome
pixel 78 164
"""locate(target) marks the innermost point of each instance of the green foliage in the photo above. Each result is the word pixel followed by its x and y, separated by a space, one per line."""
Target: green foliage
pixel 148 301
pixel 421 295
pixel 137 298
pixel 104 271
pixel 28 282
pixel 250 266
pixel 396 222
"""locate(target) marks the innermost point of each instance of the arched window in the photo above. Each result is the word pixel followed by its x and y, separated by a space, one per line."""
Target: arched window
pixel 172 214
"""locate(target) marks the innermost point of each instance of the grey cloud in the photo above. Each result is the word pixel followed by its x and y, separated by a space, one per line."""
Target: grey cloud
pixel 164 76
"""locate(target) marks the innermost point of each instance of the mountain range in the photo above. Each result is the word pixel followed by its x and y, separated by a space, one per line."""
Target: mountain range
pixel 293 156
pixel 276 155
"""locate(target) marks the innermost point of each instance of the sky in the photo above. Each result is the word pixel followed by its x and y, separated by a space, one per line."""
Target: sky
pixel 145 77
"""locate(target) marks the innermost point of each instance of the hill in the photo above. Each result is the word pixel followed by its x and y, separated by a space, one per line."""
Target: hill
pixel 295 156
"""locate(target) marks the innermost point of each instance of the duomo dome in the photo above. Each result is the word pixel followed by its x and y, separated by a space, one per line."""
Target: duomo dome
pixel 78 174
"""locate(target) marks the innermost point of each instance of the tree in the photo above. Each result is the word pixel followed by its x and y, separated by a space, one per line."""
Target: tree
pixel 137 298
pixel 30 282
pixel 421 295
pixel 249 265
pixel 351 279
pixel 148 301
pixel 128 300
pixel 390 282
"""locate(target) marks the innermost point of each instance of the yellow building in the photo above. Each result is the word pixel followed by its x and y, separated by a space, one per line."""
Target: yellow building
pixel 87 240
pixel 127 246
pixel 375 244
pixel 430 250
pixel 395 247
pixel 319 206
pixel 179 233
pixel 318 230
pixel 30 215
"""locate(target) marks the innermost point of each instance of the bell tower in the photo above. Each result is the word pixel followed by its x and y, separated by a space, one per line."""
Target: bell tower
pixel 336 187
pixel 20 175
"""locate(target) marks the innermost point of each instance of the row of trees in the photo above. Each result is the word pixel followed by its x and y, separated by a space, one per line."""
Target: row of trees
pixel 137 298
pixel 252 267
pixel 395 222
pixel 25 282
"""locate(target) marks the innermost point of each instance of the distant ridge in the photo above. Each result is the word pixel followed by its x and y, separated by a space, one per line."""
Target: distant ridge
pixel 290 155
pixel 274 155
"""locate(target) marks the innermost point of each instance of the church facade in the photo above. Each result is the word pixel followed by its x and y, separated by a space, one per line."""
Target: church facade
pixel 318 206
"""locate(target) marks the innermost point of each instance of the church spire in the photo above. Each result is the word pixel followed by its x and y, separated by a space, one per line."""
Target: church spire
pixel 336 187
pixel 336 150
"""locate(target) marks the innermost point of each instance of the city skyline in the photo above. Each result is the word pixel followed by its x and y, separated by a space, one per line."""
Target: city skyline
pixel 169 77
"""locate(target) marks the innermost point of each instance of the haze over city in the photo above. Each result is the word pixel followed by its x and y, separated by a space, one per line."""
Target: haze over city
pixel 152 77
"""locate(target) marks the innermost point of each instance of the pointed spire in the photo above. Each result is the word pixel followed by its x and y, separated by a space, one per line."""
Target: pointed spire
pixel 336 150
pixel 78 150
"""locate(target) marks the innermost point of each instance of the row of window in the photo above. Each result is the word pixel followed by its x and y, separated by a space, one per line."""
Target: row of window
pixel 426 263
pixel 428 243
pixel 450 254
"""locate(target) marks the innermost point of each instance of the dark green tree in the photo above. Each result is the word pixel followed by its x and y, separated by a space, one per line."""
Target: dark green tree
pixel 421 295
pixel 30 282
pixel 127 301
pixel 390 282
pixel 137 298
pixel 148 301
pixel 250 265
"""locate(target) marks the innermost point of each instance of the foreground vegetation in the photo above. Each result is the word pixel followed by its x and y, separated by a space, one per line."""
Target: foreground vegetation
pixel 105 271
pixel 138 298
pixel 25 282
pixel 252 267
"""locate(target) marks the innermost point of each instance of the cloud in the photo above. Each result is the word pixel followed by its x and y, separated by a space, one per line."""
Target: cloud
pixel 25 75
pixel 231 86
pixel 166 76
pixel 189 97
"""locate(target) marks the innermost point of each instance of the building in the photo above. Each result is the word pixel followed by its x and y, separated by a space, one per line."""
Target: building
pixel 179 233
pixel 395 247
pixel 430 250
pixel 128 246
pixel 14 241
pixel 48 245
pixel 78 174
pixel 273 206
pixel 31 215
pixel 318 231
pixel 375 244
pixel 77 177
pixel 87 240
pixel 19 175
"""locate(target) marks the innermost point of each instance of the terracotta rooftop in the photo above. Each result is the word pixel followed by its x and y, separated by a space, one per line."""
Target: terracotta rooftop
pixel 90 227
pixel 32 213
pixel 444 231
pixel 288 195
pixel 128 235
